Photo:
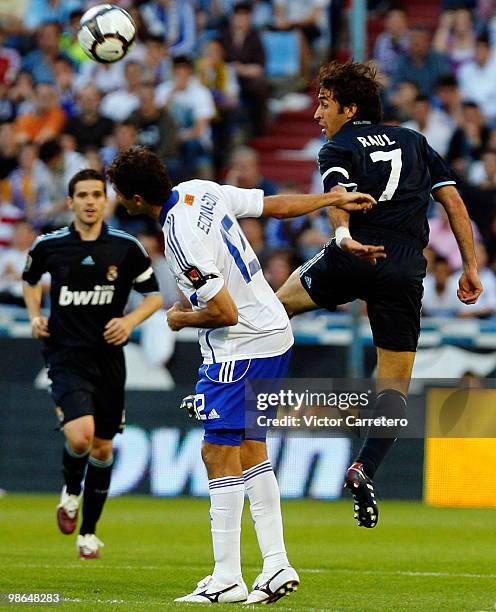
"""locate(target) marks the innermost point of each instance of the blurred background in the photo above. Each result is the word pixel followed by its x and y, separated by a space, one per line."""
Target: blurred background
pixel 226 90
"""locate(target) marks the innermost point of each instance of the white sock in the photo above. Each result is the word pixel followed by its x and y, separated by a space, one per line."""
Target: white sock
pixel 227 496
pixel 265 507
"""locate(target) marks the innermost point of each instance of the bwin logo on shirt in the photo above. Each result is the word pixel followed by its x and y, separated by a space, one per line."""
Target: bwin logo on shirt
pixel 98 296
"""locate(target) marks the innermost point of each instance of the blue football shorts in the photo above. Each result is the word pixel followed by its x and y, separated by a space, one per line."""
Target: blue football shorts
pixel 220 395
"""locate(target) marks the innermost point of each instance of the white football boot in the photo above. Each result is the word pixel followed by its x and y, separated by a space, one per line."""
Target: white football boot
pixel 210 592
pixel 67 512
pixel 89 546
pixel 268 589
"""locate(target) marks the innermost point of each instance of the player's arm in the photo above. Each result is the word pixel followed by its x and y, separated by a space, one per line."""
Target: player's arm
pixel 469 284
pixel 340 222
pixel 220 311
pixel 33 291
pixel 286 206
pixel 118 330
pixel 32 298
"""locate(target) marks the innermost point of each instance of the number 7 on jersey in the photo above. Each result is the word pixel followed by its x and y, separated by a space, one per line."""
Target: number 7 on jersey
pixel 394 157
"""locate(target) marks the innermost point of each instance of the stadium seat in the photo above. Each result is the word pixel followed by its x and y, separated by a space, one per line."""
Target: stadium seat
pixel 283 54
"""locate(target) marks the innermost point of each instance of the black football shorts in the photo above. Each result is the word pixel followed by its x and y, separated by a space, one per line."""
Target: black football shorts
pixel 88 382
pixel 392 288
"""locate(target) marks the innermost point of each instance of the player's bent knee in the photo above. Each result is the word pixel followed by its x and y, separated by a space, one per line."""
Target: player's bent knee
pixel 102 449
pixel 253 452
pixel 80 443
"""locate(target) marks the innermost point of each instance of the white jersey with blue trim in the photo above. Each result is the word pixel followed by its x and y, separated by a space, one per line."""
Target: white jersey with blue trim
pixel 206 250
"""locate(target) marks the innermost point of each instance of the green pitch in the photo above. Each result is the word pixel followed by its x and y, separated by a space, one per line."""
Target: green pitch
pixel 417 559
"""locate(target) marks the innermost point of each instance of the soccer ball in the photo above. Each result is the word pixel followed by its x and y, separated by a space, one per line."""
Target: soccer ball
pixel 106 33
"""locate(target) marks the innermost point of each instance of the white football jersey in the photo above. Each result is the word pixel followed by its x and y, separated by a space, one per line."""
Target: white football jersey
pixel 206 250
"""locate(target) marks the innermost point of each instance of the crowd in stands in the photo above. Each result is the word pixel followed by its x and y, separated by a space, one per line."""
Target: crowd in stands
pixel 195 89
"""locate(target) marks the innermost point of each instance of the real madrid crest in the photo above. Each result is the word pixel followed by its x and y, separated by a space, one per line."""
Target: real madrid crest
pixel 112 273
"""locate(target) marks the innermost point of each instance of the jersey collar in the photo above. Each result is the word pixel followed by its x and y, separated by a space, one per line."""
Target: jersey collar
pixel 75 233
pixel 171 202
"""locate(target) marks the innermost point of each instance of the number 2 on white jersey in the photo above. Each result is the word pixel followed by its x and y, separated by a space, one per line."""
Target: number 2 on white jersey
pixel 394 157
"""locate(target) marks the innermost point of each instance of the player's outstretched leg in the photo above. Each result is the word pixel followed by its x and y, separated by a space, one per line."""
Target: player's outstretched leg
pixel 96 486
pixel 277 578
pixel 390 403
pixel 227 491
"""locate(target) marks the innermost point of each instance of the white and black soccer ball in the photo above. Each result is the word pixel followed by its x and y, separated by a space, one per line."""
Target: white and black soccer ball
pixel 106 33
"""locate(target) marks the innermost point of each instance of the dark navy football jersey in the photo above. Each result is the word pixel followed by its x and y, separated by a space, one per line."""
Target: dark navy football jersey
pixel 90 281
pixel 393 164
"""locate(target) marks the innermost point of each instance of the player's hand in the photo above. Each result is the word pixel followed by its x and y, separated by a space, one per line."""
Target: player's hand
pixel 352 201
pixel 367 252
pixel 469 287
pixel 188 404
pixel 173 316
pixel 117 331
pixel 39 328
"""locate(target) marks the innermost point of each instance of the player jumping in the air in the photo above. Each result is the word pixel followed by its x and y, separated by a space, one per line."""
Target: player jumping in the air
pixel 244 334
pixel 93 269
pixel 378 257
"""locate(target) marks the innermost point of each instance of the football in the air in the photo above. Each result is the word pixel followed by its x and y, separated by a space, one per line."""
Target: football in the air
pixel 106 33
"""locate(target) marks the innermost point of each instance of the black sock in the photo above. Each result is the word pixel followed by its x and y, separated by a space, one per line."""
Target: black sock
pixel 391 404
pixel 73 466
pixel 96 486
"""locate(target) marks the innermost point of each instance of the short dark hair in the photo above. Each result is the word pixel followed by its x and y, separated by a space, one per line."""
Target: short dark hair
pixel 354 83
pixel 49 149
pixel 447 80
pixel 139 171
pixel 85 175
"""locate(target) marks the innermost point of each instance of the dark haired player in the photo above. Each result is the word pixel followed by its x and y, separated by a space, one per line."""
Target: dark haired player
pixel 93 269
pixel 244 334
pixel 378 257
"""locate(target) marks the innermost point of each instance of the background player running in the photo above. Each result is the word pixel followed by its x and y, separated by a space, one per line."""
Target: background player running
pixel 244 333
pixel 93 269
pixel 378 257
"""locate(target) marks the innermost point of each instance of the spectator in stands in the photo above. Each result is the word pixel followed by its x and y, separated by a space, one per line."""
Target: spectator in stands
pixel 486 304
pixel 40 62
pixel 90 129
pixel 192 106
pixel 402 101
pixel 244 49
pixel 46 121
pixel 220 78
pixel 244 171
pixel 12 263
pixel 118 105
pixel 421 65
pixel 61 166
pixel 105 77
pixel 8 149
pixel 10 63
pixel 469 139
pixel 64 81
pixel 393 43
pixel 7 108
pixel 69 43
pixel 28 185
pixel 455 37
pixel 442 239
pixel 155 126
pixel 483 172
pixel 449 98
pixel 440 288
pixel 123 137
pixel 305 17
pixel 157 61
pixel 434 124
pixel 175 22
pixel 39 12
pixel 21 93
pixel 278 267
pixel 478 78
